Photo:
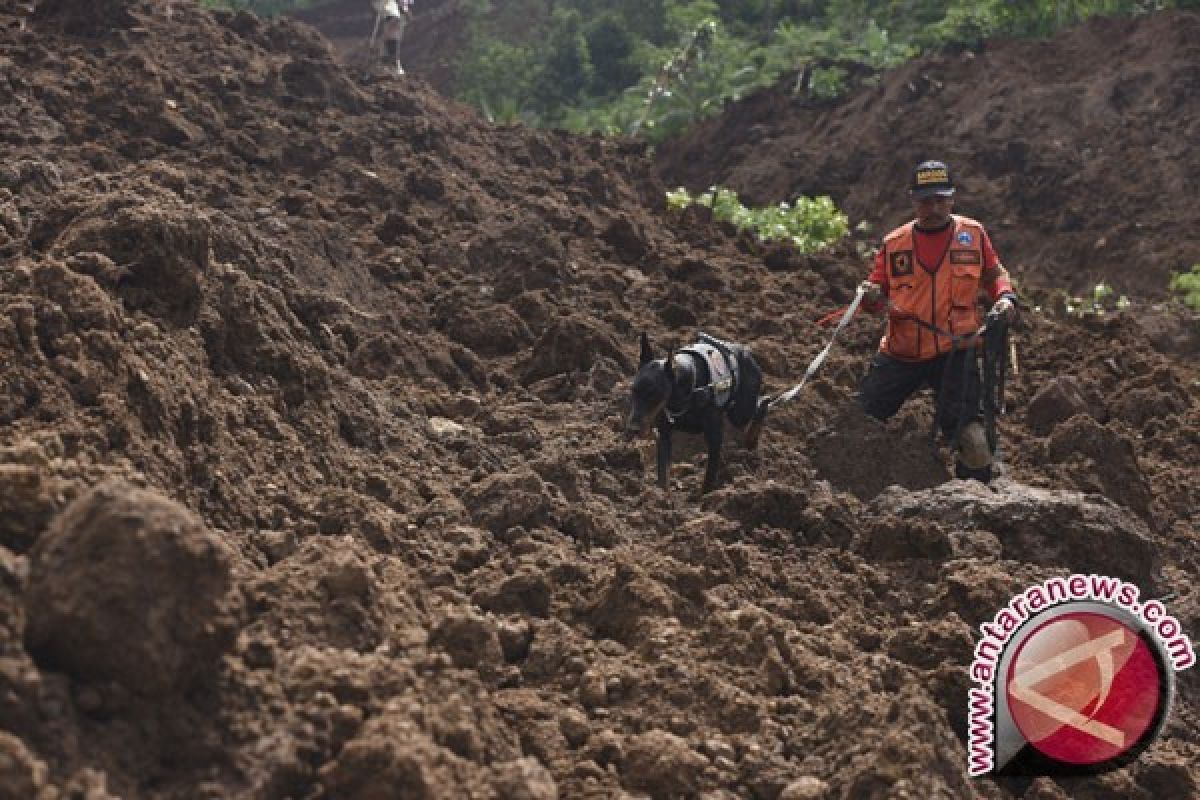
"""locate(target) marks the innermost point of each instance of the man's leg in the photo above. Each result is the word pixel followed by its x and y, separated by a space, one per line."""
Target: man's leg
pixel 398 25
pixel 887 384
pixel 957 393
pixel 391 44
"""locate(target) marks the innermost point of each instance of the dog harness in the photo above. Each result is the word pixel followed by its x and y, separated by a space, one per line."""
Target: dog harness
pixel 721 366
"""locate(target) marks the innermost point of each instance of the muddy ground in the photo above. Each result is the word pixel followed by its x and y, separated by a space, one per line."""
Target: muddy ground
pixel 311 478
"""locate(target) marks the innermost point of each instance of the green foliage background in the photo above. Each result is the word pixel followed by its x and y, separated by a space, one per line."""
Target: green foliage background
pixel 654 67
pixel 634 67
pixel 808 224
pixel 1186 286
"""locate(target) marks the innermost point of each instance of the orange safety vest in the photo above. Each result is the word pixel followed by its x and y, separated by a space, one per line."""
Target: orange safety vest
pixel 945 298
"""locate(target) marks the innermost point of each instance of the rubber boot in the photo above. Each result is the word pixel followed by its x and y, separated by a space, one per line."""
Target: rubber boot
pixel 974 461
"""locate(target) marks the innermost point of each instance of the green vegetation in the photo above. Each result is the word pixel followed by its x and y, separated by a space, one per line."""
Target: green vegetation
pixel 1186 285
pixel 809 224
pixel 653 67
pixel 1102 300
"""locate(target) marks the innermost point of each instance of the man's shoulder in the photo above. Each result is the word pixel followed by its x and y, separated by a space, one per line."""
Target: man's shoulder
pixel 897 232
pixel 963 221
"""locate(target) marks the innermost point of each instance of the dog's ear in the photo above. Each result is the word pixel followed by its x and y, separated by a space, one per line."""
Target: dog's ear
pixel 647 354
pixel 669 364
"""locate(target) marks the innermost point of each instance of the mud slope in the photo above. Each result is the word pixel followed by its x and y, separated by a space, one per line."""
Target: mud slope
pixel 1077 151
pixel 311 484
pixel 435 34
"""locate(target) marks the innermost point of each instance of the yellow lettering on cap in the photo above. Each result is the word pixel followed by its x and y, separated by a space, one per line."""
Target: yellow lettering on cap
pixel 925 176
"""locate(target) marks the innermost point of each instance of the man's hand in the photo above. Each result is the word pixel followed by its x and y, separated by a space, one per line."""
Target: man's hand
pixel 1004 308
pixel 872 295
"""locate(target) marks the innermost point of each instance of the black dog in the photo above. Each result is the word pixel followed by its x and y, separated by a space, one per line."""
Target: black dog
pixel 694 391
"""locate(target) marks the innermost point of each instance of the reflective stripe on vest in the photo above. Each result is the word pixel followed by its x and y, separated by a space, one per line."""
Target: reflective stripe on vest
pixel 945 299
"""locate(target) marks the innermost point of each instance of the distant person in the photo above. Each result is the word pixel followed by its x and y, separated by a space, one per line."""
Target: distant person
pixel 928 275
pixel 391 18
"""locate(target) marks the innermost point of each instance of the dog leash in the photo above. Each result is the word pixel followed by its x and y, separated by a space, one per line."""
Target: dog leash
pixel 820 359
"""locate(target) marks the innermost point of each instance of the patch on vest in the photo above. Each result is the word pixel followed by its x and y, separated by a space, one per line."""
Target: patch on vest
pixel 902 263
pixel 965 257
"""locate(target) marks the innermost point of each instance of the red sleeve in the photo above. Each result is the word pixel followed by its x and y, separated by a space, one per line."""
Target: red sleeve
pixel 990 259
pixel 995 277
pixel 879 275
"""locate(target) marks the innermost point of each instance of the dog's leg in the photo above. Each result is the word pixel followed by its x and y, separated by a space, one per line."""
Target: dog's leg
pixel 754 429
pixel 664 454
pixel 714 432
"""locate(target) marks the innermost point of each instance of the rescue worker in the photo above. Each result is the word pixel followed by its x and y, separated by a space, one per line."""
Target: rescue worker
pixel 393 15
pixel 927 276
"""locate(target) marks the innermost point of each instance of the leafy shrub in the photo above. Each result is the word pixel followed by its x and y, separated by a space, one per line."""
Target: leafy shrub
pixel 809 224
pixel 1102 300
pixel 1187 286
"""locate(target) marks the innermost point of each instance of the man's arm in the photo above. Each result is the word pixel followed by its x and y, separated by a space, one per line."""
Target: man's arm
pixel 875 299
pixel 995 278
pixel 997 283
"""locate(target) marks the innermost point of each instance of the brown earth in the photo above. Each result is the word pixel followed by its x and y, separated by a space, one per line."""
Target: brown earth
pixel 435 34
pixel 311 485
pixel 1077 152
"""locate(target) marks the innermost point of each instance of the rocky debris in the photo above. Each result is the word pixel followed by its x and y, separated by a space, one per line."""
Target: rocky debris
pixel 128 586
pixel 1102 460
pixel 376 353
pixel 662 764
pixel 900 454
pixel 806 788
pixel 472 641
pixel 1066 530
pixel 23 776
pixel 390 758
pixel 524 779
pixel 627 599
pixel 1056 402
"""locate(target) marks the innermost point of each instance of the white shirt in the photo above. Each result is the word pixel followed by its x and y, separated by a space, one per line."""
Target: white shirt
pixel 391 8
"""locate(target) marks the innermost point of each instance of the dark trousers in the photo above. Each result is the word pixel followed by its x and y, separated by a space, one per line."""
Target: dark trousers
pixel 954 378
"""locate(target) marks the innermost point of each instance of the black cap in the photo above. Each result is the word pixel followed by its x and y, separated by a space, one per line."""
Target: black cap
pixel 931 178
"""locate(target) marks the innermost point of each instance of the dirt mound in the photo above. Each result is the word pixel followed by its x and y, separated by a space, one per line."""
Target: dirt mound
pixel 136 550
pixel 1076 152
pixel 374 352
pixel 436 33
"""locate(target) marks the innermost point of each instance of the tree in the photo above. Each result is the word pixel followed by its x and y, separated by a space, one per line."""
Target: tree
pixel 566 72
pixel 610 47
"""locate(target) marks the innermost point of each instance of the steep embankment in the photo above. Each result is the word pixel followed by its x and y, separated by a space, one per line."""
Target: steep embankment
pixel 312 485
pixel 435 35
pixel 1077 151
